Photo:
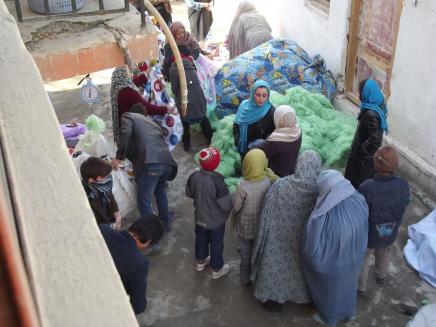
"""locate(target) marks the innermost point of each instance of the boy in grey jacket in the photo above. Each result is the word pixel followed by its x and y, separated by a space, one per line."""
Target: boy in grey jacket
pixel 212 206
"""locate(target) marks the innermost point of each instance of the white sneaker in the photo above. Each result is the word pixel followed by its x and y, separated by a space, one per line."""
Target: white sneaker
pixel 222 272
pixel 201 266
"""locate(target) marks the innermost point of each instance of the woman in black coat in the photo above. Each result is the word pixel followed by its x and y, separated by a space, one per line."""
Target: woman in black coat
pixel 369 133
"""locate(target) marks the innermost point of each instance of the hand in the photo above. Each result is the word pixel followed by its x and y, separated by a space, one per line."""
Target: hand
pixel 171 109
pixel 115 163
pixel 117 224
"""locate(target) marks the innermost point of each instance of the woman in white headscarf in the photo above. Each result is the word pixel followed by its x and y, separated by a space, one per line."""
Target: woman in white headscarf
pixel 333 246
pixel 282 146
pixel 248 30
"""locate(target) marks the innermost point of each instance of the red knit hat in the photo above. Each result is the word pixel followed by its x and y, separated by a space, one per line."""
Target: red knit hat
pixel 209 158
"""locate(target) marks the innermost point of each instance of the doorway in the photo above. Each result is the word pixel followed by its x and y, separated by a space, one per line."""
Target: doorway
pixel 371 45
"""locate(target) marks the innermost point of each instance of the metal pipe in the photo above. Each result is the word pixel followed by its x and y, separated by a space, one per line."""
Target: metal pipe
pixel 18 9
pixel 74 5
pixel 142 11
pixel 11 258
pixel 101 4
pixel 175 49
pixel 46 7
pixel 127 5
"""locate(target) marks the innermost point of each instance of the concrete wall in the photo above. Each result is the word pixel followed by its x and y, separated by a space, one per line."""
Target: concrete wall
pixel 412 104
pixel 73 278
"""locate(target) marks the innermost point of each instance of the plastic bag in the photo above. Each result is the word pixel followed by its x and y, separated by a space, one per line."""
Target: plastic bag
pixel 93 142
pixel 420 250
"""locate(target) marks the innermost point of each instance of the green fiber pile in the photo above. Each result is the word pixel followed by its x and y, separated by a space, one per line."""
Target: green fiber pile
pixel 325 130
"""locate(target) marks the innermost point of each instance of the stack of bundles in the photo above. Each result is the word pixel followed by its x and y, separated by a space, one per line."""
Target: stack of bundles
pixel 72 133
pixel 282 63
pixel 325 130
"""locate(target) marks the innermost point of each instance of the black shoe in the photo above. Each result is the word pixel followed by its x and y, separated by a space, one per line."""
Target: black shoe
pixel 272 306
pixel 186 147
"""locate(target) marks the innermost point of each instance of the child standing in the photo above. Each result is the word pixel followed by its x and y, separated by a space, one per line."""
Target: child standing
pixel 247 204
pixel 387 196
pixel 212 206
pixel 97 182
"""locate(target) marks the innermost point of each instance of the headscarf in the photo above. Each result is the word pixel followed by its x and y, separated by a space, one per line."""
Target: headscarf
pixel 99 190
pixel 255 167
pixel 373 99
pixel 249 113
pixel 119 81
pixel 285 121
pixel 188 41
pixel 332 189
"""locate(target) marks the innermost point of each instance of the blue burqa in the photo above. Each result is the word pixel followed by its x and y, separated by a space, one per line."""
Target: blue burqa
pixel 373 99
pixel 333 246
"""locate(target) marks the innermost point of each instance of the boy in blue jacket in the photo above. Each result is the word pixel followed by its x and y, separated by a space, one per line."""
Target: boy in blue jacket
pixel 387 196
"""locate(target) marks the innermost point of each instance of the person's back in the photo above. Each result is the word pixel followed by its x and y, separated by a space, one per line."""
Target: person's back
pixel 142 142
pixel 387 198
pixel 131 264
pixel 212 206
pixel 211 198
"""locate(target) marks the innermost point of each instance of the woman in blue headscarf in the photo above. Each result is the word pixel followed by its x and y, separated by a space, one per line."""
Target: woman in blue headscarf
pixel 369 133
pixel 333 246
pixel 255 117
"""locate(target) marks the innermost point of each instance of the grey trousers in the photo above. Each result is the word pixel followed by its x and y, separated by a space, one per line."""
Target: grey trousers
pixel 246 247
pixel 382 260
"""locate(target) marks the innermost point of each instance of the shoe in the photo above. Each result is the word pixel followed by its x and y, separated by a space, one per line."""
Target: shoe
pixel 167 227
pixel 272 306
pixel 153 249
pixel 222 272
pixel 381 281
pixel 186 147
pixel 200 266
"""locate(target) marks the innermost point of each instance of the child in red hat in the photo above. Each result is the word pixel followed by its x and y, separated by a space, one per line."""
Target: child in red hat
pixel 212 206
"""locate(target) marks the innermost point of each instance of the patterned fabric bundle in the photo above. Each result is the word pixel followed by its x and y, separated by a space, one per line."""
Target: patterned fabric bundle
pixel 281 63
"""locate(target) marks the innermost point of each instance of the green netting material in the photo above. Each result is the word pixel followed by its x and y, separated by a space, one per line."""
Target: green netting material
pixel 325 130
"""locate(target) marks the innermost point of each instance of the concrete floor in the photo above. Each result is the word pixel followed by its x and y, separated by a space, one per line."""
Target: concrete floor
pixel 180 296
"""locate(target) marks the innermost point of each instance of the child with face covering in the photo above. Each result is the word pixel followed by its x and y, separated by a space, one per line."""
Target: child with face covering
pixel 247 204
pixel 387 196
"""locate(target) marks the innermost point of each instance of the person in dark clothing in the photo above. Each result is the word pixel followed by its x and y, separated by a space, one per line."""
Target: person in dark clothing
pixel 143 143
pixel 164 9
pixel 212 206
pixel 283 145
pixel 200 17
pixel 197 105
pixel 387 196
pixel 186 43
pixel 97 182
pixel 255 117
pixel 132 266
pixel 369 133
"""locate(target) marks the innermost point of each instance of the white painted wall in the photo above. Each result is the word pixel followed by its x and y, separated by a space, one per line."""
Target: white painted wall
pixel 412 104
pixel 74 280
pixel 312 29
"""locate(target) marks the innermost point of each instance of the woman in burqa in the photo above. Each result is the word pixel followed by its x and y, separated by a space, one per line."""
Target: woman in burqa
pixel 276 256
pixel 248 30
pixel 333 246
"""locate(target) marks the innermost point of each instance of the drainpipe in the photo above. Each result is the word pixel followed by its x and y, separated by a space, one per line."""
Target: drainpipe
pixel 11 258
pixel 173 45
